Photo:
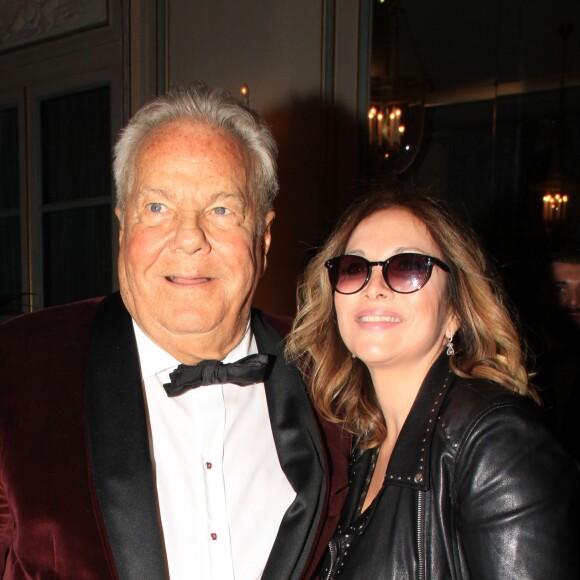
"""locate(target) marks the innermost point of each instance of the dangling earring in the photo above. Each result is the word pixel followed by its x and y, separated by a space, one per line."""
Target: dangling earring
pixel 450 349
pixel 352 355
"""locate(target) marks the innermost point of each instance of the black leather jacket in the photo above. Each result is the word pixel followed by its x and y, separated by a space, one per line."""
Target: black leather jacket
pixel 476 487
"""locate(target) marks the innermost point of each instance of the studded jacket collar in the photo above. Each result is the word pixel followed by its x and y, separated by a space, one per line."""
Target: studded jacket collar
pixel 409 465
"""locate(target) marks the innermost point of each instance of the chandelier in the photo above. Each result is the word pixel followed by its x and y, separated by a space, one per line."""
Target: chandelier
pixel 396 108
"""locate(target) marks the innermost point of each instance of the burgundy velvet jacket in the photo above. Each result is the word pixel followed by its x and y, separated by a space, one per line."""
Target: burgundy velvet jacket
pixel 77 496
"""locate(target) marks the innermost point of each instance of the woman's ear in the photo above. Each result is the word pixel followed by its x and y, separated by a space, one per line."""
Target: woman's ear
pixel 453 325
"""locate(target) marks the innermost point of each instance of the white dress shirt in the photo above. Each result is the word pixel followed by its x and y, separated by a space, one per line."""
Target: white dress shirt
pixel 221 491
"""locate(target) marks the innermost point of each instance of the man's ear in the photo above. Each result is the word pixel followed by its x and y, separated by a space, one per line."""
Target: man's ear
pixel 119 214
pixel 267 238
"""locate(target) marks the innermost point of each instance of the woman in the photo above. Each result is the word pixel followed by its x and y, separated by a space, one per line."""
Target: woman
pixel 409 346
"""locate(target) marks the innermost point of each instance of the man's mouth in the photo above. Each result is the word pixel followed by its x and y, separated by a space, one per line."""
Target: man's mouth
pixel 188 280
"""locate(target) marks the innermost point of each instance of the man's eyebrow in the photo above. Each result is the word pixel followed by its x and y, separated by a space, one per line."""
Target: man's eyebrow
pixel 229 195
pixel 226 194
pixel 144 191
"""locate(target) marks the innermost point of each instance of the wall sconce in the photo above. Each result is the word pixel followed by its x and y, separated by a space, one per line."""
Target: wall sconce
pixel 245 92
pixel 561 188
pixel 386 128
pixel 555 202
pixel 395 131
pixel 554 208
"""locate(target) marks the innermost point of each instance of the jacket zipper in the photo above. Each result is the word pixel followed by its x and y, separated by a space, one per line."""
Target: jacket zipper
pixel 332 549
pixel 420 552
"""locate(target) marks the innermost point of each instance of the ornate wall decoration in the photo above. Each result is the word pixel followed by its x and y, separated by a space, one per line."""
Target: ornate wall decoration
pixel 24 22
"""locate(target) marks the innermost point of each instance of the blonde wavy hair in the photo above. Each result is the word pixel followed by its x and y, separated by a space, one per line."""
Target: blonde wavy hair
pixel 487 344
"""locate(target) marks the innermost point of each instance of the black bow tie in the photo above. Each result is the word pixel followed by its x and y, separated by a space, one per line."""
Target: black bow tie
pixel 247 371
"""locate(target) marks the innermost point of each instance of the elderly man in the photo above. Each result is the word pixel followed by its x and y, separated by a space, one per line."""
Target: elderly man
pixel 121 456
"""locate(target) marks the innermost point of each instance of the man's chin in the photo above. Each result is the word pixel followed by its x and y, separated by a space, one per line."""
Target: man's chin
pixel 189 321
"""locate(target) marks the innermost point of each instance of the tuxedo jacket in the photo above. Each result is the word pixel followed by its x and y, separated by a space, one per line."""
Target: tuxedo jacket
pixel 77 492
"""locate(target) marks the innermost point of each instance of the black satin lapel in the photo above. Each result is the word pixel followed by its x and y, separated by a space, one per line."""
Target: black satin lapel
pixel 300 453
pixel 119 446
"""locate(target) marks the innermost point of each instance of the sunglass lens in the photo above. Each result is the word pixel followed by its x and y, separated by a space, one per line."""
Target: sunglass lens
pixel 350 274
pixel 407 272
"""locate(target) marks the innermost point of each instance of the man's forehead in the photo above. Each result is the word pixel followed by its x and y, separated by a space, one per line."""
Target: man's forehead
pixel 566 271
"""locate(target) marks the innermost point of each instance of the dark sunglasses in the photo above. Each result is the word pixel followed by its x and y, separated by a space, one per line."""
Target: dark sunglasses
pixel 403 273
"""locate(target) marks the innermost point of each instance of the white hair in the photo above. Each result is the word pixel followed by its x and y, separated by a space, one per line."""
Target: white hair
pixel 215 108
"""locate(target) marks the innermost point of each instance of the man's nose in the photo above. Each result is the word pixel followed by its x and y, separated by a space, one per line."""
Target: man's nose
pixel 190 236
pixel 570 295
pixel 573 296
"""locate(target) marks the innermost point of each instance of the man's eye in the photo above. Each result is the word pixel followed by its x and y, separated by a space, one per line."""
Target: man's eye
pixel 221 211
pixel 155 207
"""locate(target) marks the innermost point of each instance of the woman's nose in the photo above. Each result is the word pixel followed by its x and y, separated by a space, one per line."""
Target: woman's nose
pixel 377 286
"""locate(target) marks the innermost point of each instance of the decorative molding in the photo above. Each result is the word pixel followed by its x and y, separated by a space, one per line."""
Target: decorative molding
pixel 490 92
pixel 24 22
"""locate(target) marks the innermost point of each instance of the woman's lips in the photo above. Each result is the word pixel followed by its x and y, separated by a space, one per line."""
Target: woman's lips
pixel 379 318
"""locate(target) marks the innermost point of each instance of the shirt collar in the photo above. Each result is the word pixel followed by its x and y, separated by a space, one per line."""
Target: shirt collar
pixel 154 359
